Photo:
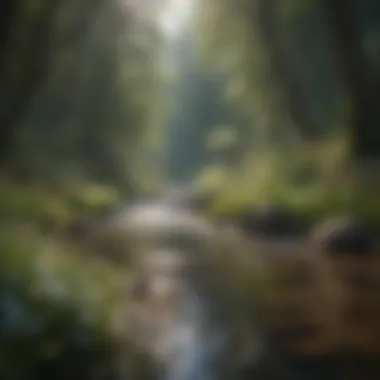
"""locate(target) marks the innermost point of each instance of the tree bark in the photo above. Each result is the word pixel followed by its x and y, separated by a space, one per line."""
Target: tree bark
pixel 37 68
pixel 18 96
pixel 7 16
pixel 364 116
pixel 291 89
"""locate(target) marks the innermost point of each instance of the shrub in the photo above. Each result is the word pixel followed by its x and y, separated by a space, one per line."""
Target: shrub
pixel 61 315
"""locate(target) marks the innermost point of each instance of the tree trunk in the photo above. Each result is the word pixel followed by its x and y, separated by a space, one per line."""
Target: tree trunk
pixel 364 117
pixel 37 68
pixel 291 89
pixel 18 95
pixel 7 16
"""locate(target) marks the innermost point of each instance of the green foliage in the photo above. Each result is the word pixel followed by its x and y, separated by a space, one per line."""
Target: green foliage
pixel 61 315
pixel 197 108
pixel 223 137
pixel 313 180
pixel 278 63
pixel 79 85
pixel 51 210
pixel 232 44
pixel 281 73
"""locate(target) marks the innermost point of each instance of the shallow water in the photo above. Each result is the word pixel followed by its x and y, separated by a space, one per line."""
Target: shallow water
pixel 201 354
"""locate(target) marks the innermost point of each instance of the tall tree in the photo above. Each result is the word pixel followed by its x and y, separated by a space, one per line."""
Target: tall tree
pixel 265 13
pixel 90 112
pixel 30 41
pixel 363 91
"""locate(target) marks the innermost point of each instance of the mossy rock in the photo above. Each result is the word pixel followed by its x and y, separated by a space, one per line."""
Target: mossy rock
pixel 345 235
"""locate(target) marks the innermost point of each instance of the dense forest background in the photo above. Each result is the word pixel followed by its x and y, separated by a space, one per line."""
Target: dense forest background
pixel 260 100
